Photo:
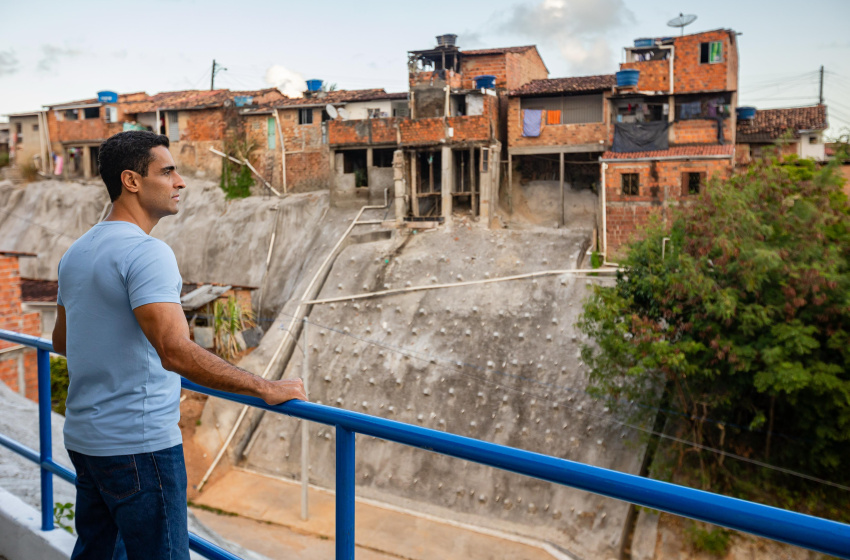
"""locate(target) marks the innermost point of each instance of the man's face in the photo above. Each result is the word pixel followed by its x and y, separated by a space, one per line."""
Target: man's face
pixel 159 192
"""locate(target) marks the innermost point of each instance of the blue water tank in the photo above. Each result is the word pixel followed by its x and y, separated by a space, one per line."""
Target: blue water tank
pixel 314 85
pixel 485 81
pixel 644 42
pixel 628 78
pixel 746 113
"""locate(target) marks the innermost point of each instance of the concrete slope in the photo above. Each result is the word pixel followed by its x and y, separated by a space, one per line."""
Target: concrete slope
pixel 498 362
pixel 214 240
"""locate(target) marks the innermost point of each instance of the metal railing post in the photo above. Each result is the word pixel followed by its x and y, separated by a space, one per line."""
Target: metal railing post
pixel 45 439
pixel 344 494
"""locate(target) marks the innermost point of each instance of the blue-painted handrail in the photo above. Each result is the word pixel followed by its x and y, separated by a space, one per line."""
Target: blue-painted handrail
pixel 815 533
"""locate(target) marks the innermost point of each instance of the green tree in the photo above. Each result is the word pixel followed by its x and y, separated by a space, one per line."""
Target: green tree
pixel 741 330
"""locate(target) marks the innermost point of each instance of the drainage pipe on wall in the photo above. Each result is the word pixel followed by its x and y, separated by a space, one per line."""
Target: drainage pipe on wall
pixel 287 344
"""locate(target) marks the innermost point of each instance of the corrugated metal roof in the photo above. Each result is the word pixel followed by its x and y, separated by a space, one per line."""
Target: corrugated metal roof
pixel 201 296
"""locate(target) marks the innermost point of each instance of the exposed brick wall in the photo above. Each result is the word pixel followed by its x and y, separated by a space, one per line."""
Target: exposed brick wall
pixel 363 132
pixel 470 129
pixel 493 64
pixel 660 189
pixel 699 131
pixel 202 124
pixel 692 77
pixel 422 131
pixel 455 80
pixel 524 67
pixel 12 318
pixel 654 74
pixel 301 137
pixel 307 171
pixel 84 130
pixel 552 135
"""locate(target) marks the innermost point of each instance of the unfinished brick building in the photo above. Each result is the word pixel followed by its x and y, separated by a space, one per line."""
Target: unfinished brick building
pixel 78 128
pixel 18 367
pixel 450 141
pixel 557 129
pixel 673 130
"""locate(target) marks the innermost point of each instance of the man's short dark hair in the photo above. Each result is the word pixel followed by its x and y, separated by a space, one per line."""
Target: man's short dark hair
pixel 126 150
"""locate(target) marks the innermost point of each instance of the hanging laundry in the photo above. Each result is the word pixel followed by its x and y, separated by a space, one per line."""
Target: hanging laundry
pixel 531 121
pixel 57 165
pixel 553 117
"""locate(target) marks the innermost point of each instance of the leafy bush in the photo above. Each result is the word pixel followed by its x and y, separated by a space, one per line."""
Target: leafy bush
pixel 714 541
pixel 58 383
pixel 744 326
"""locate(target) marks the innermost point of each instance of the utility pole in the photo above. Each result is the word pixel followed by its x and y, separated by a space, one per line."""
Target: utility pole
pixel 216 68
pixel 820 94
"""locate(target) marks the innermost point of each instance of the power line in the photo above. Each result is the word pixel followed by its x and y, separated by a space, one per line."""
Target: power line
pixel 459 364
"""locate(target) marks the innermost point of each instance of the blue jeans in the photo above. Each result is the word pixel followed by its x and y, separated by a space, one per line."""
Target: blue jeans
pixel 131 506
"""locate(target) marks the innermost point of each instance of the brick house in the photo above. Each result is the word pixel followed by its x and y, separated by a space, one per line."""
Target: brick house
pixel 553 159
pixel 18 365
pixel 27 140
pixel 794 130
pixel 671 132
pixel 293 132
pixel 197 120
pixel 77 129
pixel 446 147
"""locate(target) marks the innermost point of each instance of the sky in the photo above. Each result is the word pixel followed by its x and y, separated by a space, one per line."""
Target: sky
pixel 52 52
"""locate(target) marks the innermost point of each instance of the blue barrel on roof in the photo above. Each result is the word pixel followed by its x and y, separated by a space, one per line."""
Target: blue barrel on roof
pixel 314 85
pixel 485 81
pixel 107 97
pixel 746 113
pixel 628 78
pixel 644 42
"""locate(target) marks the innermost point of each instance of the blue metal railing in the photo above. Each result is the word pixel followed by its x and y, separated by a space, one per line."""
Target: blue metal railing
pixel 815 533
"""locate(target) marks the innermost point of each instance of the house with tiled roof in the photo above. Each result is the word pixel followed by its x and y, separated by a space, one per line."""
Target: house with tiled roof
pixel 793 130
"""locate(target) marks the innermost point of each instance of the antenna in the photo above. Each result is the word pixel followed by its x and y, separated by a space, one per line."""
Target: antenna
pixel 682 21
pixel 343 114
pixel 331 111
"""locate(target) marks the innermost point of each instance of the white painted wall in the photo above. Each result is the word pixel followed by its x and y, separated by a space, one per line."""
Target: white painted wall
pixel 808 150
pixel 359 110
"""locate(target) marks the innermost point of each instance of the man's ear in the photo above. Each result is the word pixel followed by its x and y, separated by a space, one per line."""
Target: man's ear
pixel 130 180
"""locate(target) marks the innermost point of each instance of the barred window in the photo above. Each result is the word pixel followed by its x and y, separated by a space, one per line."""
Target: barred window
pixel 631 184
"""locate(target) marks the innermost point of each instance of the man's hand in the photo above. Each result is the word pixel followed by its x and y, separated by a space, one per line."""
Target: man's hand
pixel 284 390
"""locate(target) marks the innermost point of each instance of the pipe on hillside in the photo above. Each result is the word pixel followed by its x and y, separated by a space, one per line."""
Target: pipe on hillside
pixel 290 336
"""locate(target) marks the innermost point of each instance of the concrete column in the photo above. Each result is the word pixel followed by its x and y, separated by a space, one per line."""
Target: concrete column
pixel 398 184
pixel 86 162
pixel 447 182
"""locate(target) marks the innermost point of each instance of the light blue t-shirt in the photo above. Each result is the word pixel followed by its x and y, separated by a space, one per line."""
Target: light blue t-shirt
pixel 121 400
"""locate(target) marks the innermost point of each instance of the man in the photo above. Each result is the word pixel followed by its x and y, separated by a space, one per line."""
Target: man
pixel 120 323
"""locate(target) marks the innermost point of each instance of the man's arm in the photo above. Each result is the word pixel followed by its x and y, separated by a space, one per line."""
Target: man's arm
pixel 165 327
pixel 59 331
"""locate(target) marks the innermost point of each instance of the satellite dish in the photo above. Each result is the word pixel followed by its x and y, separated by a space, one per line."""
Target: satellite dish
pixel 682 21
pixel 342 113
pixel 331 111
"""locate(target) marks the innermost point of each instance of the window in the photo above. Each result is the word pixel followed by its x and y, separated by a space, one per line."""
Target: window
pixel 374 113
pixel 813 139
pixel 382 157
pixel 692 183
pixel 305 116
pixel 111 114
pixel 35 128
pixel 91 113
pixel 400 109
pixel 485 160
pixel 711 53
pixel 631 184
pixel 72 114
pixel 270 134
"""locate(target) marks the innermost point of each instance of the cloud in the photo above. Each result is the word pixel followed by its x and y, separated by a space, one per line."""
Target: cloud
pixel 53 55
pixel 470 39
pixel 578 28
pixel 8 62
pixel 288 82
